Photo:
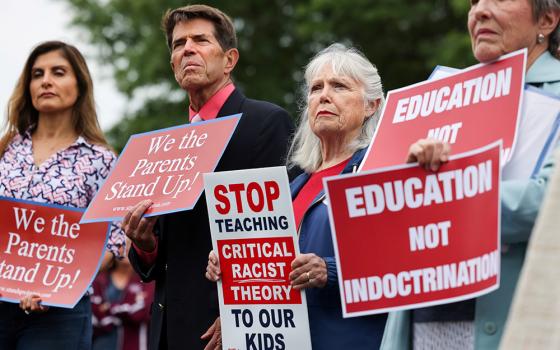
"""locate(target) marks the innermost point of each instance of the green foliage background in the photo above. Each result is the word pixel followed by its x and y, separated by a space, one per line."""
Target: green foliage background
pixel 404 38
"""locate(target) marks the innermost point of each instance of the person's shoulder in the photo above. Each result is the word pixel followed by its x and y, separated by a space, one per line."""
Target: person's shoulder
pixel 263 107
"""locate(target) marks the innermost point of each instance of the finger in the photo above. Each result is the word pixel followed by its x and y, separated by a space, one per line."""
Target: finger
pixel 303 280
pixel 210 275
pixel 145 225
pixel 36 304
pixel 22 303
pixel 300 260
pixel 138 213
pixel 208 332
pixel 434 161
pixel 213 257
pixel 296 273
pixel 214 272
pixel 126 219
pixel 413 152
pixel 428 155
pixel 445 153
pixel 215 340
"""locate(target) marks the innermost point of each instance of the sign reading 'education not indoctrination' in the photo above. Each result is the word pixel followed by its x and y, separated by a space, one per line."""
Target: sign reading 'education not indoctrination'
pixel 407 238
pixel 46 251
pixel 469 109
pixel 254 236
pixel 165 166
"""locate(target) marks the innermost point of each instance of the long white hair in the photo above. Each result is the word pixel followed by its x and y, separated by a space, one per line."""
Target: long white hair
pixel 305 151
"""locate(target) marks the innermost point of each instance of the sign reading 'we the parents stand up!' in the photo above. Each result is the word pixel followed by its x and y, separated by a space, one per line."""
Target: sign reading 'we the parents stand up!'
pixel 165 166
pixel 46 251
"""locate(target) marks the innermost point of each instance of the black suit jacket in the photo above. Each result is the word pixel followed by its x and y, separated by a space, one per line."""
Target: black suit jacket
pixel 186 303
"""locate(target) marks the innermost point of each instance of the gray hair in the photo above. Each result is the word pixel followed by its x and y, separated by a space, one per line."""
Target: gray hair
pixel 305 151
pixel 541 7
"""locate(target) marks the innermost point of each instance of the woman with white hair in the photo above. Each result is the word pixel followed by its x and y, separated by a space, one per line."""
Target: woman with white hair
pixel 343 102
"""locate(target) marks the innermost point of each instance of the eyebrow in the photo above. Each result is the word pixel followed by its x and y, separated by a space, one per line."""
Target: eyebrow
pixel 193 36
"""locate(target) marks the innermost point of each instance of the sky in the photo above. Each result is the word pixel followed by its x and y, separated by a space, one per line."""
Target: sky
pixel 25 23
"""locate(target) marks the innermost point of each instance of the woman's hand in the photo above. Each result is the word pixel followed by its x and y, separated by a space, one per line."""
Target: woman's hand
pixel 429 153
pixel 308 270
pixel 213 272
pixel 214 335
pixel 32 303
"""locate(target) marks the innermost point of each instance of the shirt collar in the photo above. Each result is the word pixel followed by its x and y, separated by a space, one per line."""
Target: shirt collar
pixel 545 69
pixel 211 108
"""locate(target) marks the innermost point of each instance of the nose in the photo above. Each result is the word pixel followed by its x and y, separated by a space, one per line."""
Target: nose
pixel 481 10
pixel 325 95
pixel 46 79
pixel 188 49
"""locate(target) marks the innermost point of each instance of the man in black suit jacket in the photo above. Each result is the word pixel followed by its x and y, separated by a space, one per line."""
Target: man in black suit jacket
pixel 203 54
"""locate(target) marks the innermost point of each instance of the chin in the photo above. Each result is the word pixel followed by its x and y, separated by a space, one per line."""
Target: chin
pixel 485 57
pixel 487 54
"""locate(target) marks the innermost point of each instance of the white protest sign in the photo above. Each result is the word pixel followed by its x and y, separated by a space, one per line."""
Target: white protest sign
pixel 254 236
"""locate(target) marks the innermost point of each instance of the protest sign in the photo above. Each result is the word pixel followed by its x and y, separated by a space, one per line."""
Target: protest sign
pixel 46 251
pixel 254 236
pixel 537 134
pixel 538 130
pixel 468 109
pixel 408 238
pixel 165 166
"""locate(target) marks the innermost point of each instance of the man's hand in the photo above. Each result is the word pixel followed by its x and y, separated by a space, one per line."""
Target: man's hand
pixel 213 272
pixel 214 334
pixel 140 229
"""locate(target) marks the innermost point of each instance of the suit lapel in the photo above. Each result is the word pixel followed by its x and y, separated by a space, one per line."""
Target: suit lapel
pixel 232 105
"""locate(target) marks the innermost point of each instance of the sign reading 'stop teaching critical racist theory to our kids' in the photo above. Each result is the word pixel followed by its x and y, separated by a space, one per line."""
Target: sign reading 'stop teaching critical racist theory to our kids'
pixel 407 238
pixel 46 251
pixel 254 236
pixel 468 110
pixel 165 166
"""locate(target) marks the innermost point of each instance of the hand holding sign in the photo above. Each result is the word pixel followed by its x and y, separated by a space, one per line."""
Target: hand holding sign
pixel 430 154
pixel 308 270
pixel 32 303
pixel 213 271
pixel 140 229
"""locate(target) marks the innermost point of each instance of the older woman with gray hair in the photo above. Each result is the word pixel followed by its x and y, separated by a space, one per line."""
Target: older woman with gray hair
pixel 343 101
pixel 343 104
pixel 496 27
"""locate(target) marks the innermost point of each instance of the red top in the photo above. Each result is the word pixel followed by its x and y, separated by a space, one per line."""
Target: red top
pixel 312 188
pixel 211 108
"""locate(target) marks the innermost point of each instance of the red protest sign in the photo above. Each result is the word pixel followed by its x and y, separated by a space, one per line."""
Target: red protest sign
pixel 46 251
pixel 254 234
pixel 407 238
pixel 256 271
pixel 165 166
pixel 469 109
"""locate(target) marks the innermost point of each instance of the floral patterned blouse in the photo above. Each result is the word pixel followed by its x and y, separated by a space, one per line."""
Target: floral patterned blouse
pixel 69 177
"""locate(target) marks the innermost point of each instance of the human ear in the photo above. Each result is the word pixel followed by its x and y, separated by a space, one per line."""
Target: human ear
pixel 231 58
pixel 548 22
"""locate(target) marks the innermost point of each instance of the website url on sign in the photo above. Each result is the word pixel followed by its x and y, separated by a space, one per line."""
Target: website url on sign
pixel 21 292
pixel 155 205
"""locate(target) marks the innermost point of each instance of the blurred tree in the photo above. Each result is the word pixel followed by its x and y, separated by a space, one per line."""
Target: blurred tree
pixel 404 38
